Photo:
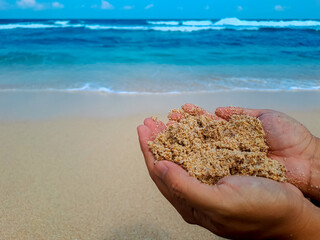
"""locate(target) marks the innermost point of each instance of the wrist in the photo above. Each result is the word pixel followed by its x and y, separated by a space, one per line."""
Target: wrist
pixel 314 183
pixel 304 224
pixel 301 221
pixel 307 226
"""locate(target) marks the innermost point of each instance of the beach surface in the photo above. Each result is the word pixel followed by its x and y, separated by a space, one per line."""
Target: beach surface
pixel 71 165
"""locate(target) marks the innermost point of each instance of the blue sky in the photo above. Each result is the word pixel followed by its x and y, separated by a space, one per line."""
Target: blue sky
pixel 195 9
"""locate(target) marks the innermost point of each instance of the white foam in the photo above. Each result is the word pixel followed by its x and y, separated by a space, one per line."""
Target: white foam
pixel 87 87
pixel 106 27
pixel 171 23
pixel 108 91
pixel 304 89
pixel 63 23
pixel 156 28
pixel 26 25
pixel 186 28
pixel 272 24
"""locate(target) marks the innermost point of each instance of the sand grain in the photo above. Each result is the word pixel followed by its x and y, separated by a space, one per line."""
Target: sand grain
pixel 210 149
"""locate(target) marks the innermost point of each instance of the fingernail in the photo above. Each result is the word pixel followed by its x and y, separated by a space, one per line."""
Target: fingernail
pixel 161 169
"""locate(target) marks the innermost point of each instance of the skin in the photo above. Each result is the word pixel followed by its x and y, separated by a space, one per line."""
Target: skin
pixel 289 143
pixel 236 207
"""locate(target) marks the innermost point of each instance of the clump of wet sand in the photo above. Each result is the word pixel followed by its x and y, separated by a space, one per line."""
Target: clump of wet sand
pixel 210 148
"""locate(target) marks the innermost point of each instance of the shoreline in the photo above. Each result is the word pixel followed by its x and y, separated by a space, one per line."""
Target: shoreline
pixel 15 106
pixel 103 90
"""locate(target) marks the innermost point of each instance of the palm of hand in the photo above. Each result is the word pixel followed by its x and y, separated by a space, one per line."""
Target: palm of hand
pixel 289 142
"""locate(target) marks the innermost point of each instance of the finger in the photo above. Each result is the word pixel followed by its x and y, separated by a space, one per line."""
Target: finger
pixel 158 170
pixel 227 112
pixel 175 115
pixel 195 110
pixel 145 134
pixel 183 186
pixel 258 184
pixel 192 109
pixel 244 181
pixel 155 126
pixel 180 204
pixel 171 123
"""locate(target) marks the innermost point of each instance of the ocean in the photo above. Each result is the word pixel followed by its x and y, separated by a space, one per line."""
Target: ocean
pixel 159 56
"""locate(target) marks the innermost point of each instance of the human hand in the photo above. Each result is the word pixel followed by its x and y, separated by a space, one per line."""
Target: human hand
pixel 290 143
pixel 236 207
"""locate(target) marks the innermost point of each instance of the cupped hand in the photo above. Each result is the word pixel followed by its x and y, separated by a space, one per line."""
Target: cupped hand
pixel 236 207
pixel 289 143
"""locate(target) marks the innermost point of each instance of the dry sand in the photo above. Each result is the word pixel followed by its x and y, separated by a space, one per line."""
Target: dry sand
pixel 71 167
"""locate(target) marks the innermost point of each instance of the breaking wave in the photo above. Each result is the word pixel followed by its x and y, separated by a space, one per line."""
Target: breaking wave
pixel 269 24
pixel 170 25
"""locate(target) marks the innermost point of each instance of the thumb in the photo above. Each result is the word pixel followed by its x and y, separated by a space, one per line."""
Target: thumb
pixel 184 186
pixel 227 112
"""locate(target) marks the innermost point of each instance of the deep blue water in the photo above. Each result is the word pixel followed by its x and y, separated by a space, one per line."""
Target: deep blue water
pixel 159 56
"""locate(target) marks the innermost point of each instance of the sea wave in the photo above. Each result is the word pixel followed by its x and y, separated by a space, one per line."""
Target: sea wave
pixel 163 28
pixel 61 22
pixel 106 27
pixel 88 88
pixel 182 26
pixel 270 24
pixel 164 23
pixel 26 25
pixel 93 88
pixel 106 91
pixel 185 23
pixel 186 28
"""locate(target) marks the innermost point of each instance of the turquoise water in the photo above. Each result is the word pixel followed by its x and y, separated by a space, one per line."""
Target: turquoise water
pixel 147 56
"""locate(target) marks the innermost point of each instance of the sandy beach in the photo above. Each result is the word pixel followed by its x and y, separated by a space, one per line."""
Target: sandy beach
pixel 71 166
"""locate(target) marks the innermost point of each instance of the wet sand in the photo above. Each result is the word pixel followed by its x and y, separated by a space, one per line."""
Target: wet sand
pixel 71 167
